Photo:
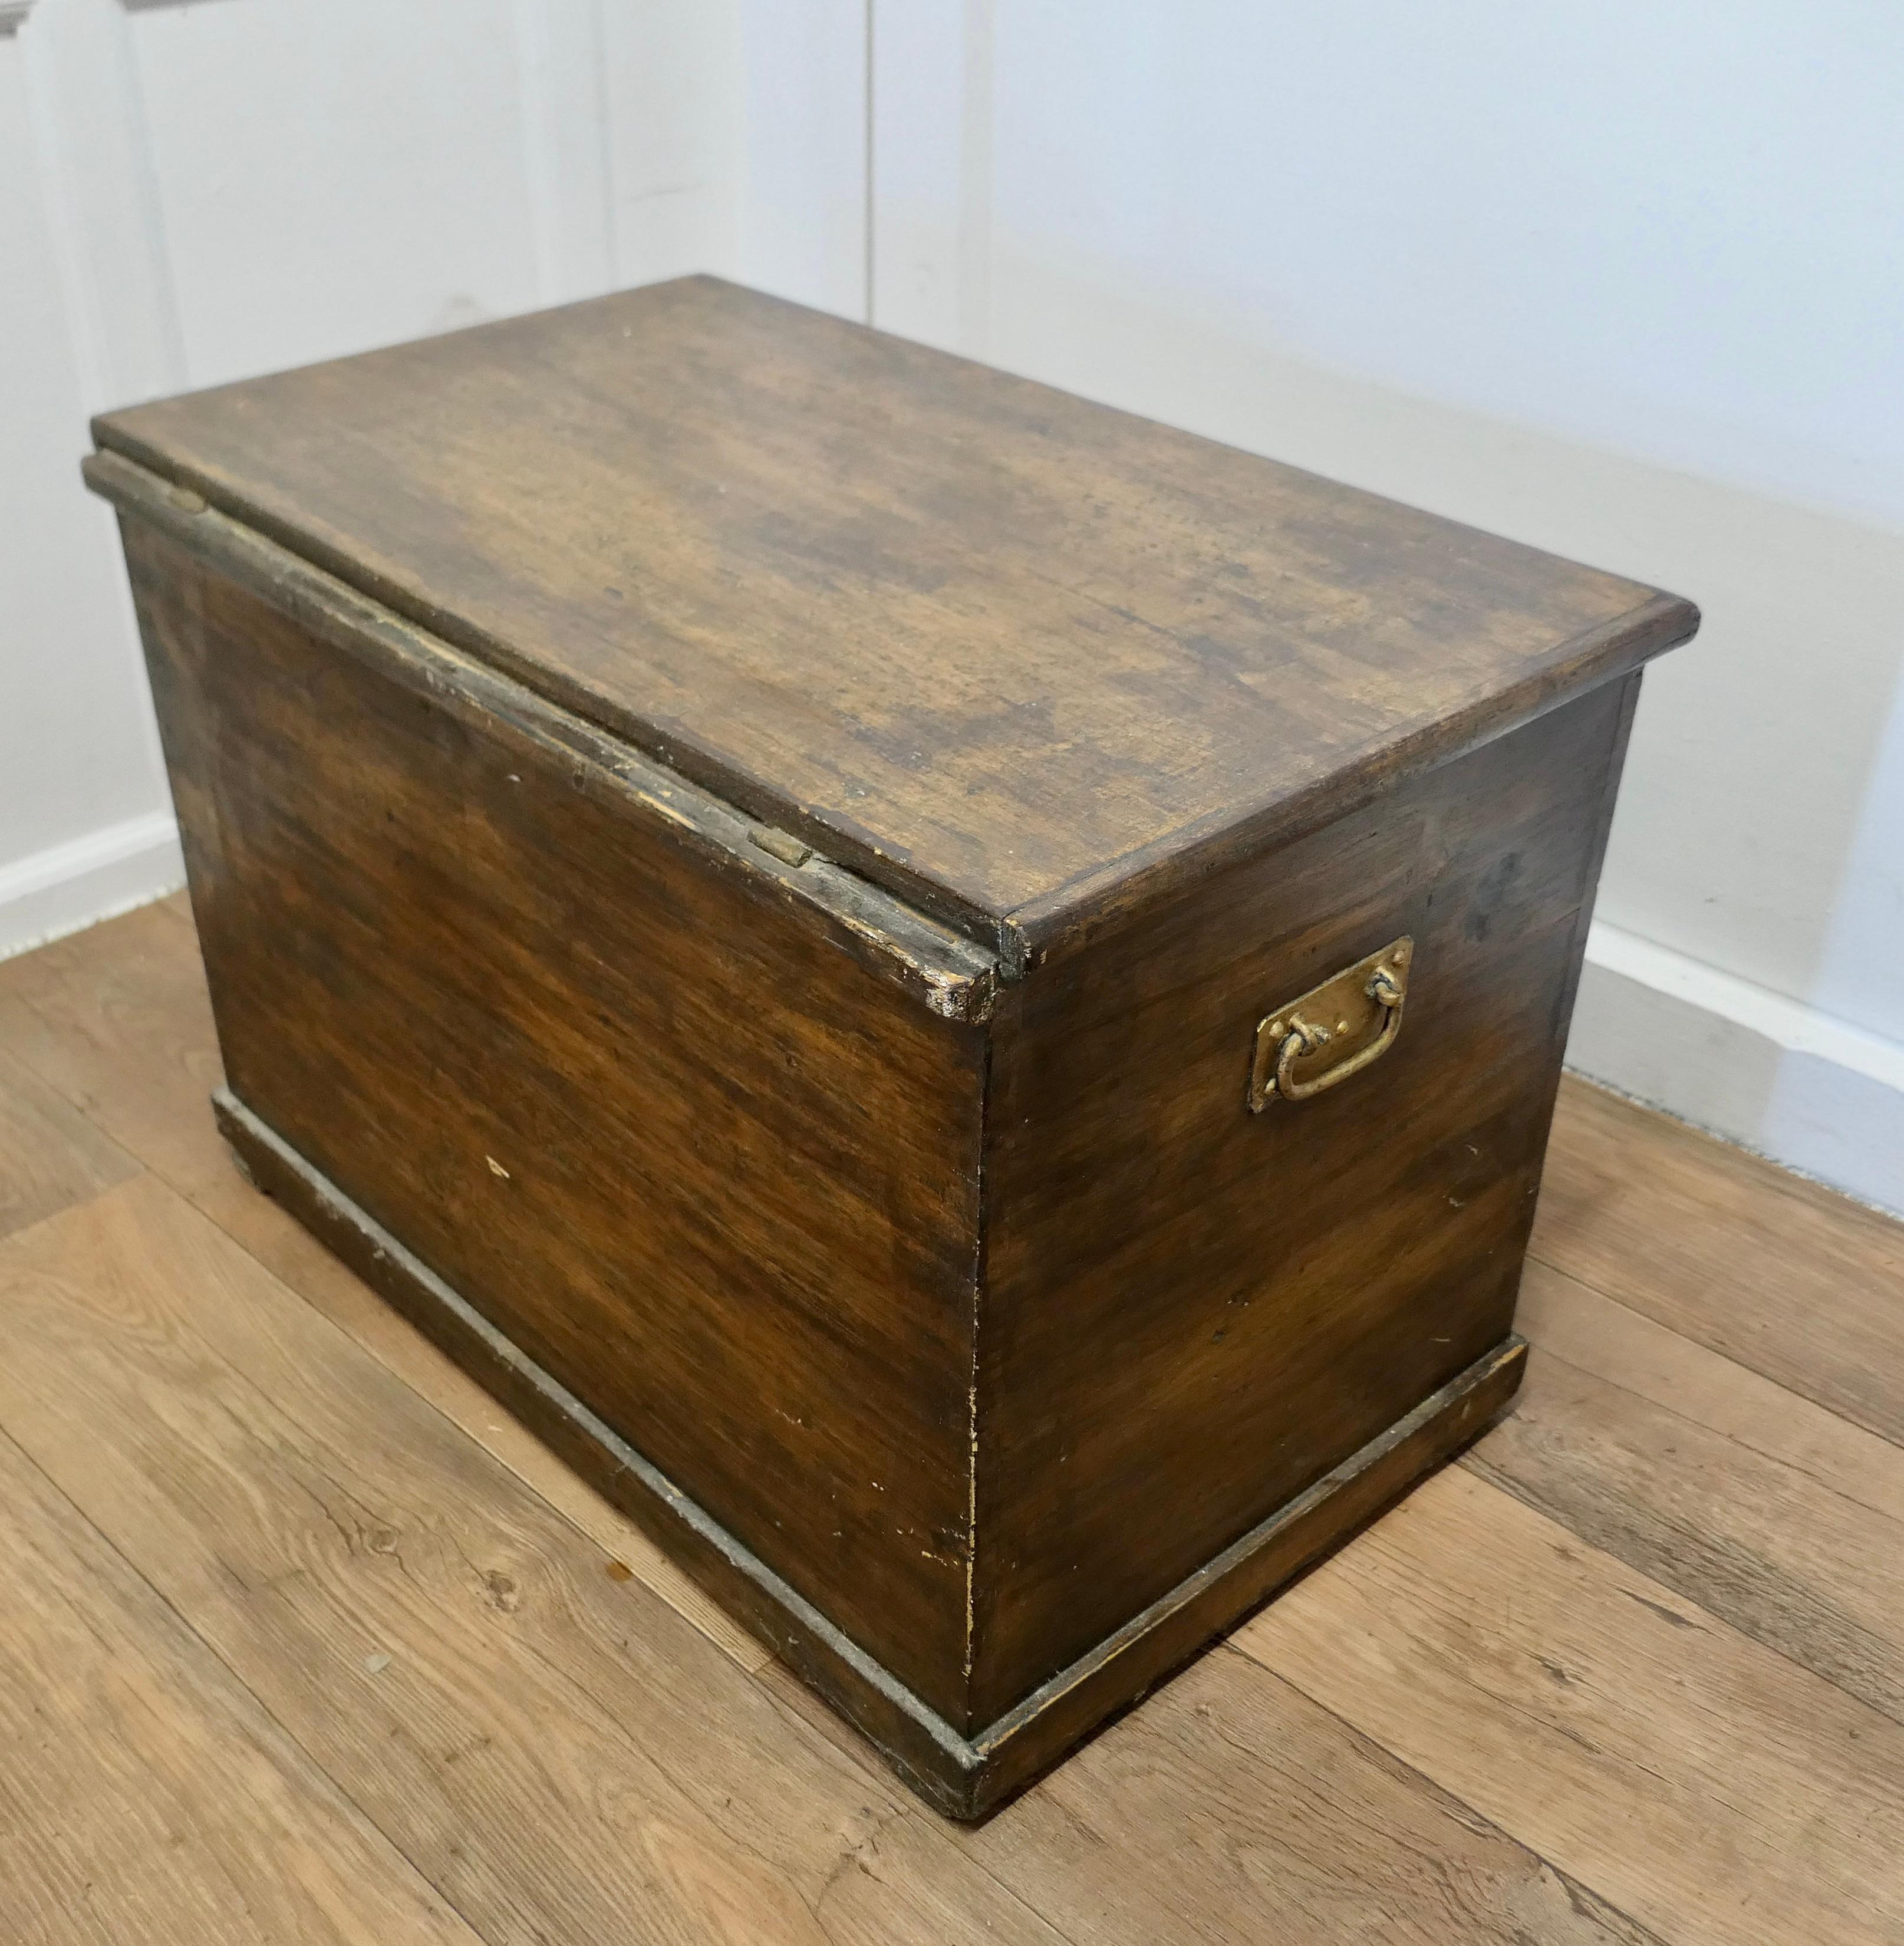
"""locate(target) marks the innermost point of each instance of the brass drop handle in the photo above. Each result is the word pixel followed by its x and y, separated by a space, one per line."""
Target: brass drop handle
pixel 1380 982
pixel 1302 1038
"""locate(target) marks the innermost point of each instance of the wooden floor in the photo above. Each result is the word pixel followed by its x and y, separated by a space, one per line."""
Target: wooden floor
pixel 301 1639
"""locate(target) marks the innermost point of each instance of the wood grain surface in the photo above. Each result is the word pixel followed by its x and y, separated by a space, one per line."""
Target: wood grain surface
pixel 791 1203
pixel 51 1155
pixel 770 1175
pixel 1664 1781
pixel 553 1746
pixel 1787 1523
pixel 1001 649
pixel 1232 1808
pixel 1191 1312
pixel 1811 1286
pixel 666 1128
pixel 144 1793
pixel 1616 1727
pixel 127 1036
pixel 1623 1346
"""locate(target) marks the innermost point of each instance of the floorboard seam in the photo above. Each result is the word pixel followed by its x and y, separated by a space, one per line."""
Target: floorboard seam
pixel 1515 1490
pixel 1436 1789
pixel 1685 1419
pixel 1613 1297
pixel 270 1716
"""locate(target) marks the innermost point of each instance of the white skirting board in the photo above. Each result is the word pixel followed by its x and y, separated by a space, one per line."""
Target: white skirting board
pixel 69 886
pixel 1807 1091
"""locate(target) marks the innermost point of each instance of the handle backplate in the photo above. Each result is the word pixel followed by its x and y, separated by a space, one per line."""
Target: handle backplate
pixel 1332 1031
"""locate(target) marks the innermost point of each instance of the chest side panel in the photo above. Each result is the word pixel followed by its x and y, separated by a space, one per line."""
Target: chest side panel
pixel 1192 1312
pixel 670 1135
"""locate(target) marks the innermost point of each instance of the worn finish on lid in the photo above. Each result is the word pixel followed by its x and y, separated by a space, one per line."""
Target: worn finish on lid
pixel 1014 655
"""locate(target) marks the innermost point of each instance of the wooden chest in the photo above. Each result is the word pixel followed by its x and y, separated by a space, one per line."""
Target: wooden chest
pixel 956 994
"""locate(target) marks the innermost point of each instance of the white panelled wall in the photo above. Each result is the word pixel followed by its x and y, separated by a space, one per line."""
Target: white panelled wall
pixel 198 191
pixel 1622 281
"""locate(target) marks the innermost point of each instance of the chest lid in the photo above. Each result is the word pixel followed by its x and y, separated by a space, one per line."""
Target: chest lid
pixel 1019 658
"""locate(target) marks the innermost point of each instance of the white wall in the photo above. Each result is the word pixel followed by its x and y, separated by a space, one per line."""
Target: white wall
pixel 84 824
pixel 191 193
pixel 1624 281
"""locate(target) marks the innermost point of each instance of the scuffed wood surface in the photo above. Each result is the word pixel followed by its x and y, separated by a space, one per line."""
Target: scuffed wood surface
pixel 996 647
pixel 1178 1301
pixel 682 1137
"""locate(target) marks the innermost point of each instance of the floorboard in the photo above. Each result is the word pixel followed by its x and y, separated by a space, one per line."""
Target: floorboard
pixel 1794 1555
pixel 1231 1806
pixel 1707 1785
pixel 144 1794
pixel 1776 1272
pixel 51 1155
pixel 116 1019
